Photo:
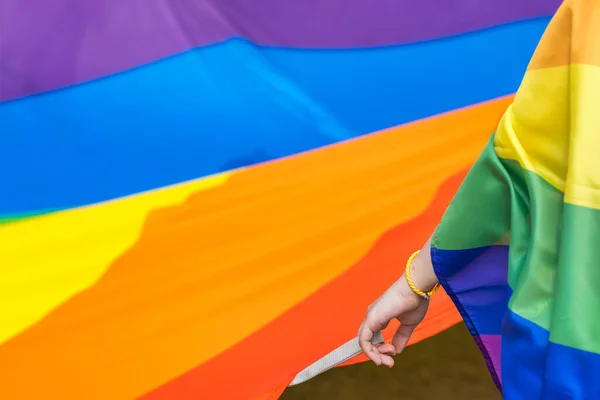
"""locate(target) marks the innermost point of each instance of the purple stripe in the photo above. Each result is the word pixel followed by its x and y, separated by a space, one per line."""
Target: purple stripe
pixel 477 275
pixel 493 346
pixel 51 44
pixel 476 281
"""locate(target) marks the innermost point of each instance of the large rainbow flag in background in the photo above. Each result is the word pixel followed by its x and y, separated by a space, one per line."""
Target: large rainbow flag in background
pixel 180 200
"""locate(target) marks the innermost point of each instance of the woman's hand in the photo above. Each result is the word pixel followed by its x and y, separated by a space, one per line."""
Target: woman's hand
pixel 401 302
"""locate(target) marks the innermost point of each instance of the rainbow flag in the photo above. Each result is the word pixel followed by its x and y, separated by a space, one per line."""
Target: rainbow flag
pixel 517 249
pixel 186 185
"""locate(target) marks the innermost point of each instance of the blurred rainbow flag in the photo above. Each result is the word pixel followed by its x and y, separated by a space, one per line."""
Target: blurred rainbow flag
pixel 199 199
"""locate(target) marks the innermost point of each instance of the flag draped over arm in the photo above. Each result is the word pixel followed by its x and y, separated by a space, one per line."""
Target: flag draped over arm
pixel 517 250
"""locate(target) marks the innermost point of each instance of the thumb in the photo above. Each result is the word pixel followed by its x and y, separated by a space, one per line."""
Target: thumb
pixel 401 337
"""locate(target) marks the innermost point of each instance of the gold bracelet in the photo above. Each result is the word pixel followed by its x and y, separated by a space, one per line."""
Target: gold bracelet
pixel 425 295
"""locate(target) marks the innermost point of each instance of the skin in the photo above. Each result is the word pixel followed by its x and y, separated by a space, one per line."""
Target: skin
pixel 400 302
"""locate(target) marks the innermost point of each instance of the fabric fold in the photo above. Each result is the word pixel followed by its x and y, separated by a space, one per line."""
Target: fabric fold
pixel 516 248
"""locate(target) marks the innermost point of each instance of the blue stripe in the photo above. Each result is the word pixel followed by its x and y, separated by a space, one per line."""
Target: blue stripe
pixel 532 366
pixel 235 104
pixel 535 368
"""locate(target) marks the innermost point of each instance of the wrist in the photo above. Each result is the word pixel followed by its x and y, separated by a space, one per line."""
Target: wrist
pixel 408 293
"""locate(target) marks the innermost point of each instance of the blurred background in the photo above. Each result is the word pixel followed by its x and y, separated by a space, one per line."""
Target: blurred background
pixel 447 366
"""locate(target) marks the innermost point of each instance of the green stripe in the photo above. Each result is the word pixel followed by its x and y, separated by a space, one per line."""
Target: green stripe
pixel 535 218
pixel 554 261
pixel 575 315
pixel 554 265
pixel 479 214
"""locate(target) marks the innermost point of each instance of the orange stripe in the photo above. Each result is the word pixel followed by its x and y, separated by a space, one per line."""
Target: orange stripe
pixel 269 359
pixel 277 233
pixel 571 37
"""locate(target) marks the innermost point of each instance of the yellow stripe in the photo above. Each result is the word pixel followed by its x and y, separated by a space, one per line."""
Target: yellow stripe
pixel 553 129
pixel 33 252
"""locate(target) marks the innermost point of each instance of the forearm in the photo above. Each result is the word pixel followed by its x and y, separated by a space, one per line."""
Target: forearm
pixel 421 269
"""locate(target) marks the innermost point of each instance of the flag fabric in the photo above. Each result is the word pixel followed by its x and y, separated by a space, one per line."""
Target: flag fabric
pixel 517 248
pixel 195 195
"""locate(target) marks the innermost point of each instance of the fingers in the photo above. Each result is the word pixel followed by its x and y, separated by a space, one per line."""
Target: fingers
pixel 380 353
pixel 401 337
pixel 386 360
pixel 365 340
pixel 385 348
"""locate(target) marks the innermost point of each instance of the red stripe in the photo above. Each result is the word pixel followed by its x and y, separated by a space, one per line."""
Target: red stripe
pixel 267 361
